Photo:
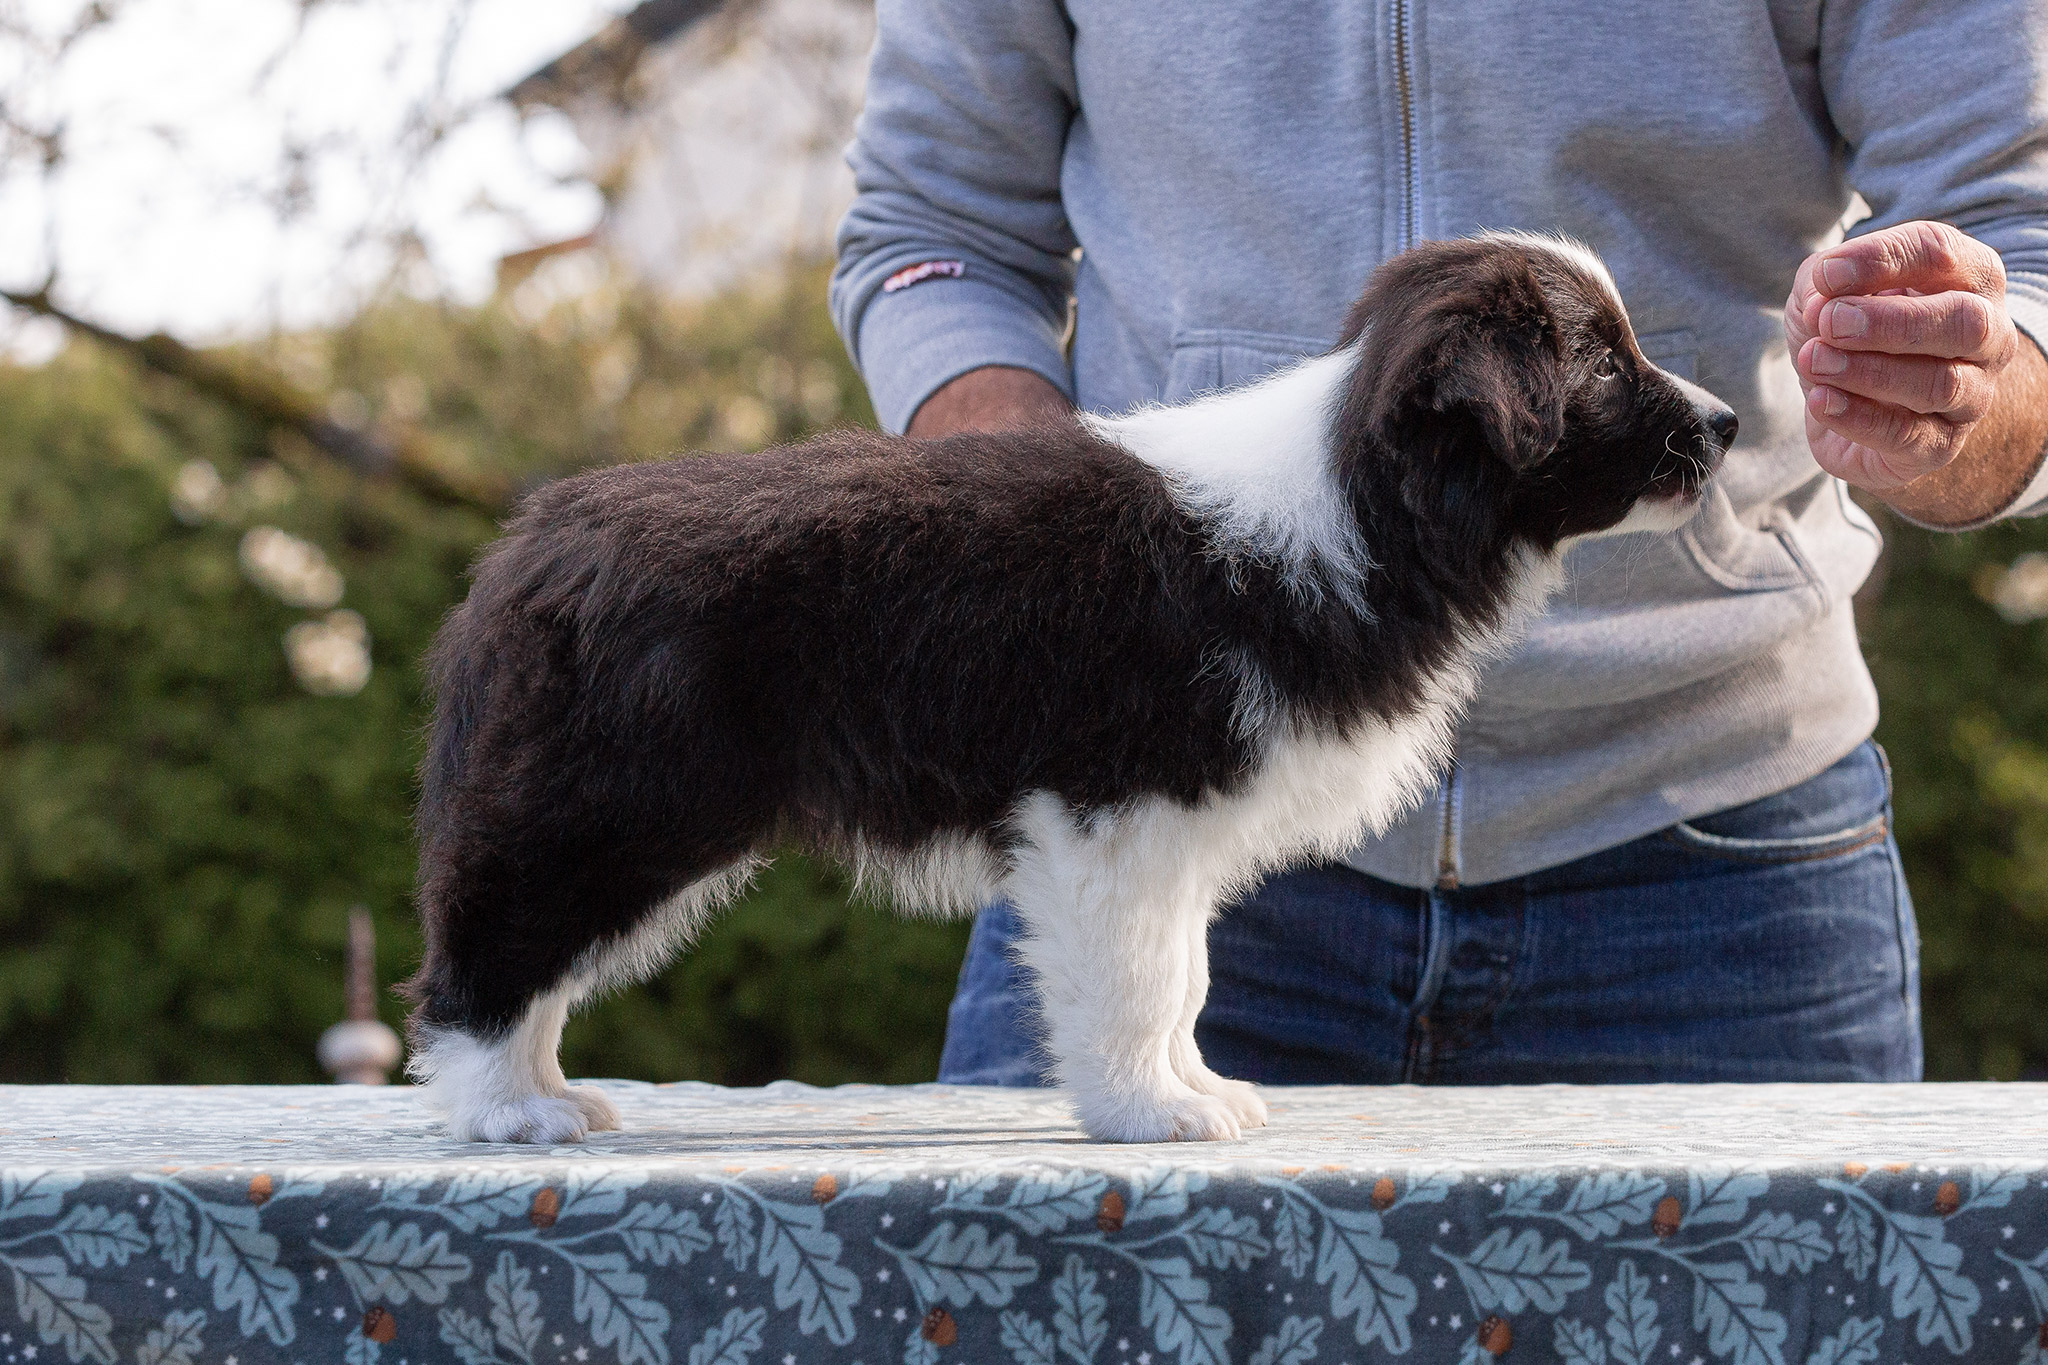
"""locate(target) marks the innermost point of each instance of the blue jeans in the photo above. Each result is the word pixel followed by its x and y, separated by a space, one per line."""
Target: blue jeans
pixel 1771 942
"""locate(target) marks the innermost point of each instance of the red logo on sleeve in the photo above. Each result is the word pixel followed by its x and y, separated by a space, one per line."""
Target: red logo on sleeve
pixel 923 270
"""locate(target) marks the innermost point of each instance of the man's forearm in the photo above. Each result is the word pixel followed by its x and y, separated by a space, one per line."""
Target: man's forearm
pixel 2000 458
pixel 992 398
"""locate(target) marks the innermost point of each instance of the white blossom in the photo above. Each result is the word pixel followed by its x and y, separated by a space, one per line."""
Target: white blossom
pixel 197 492
pixel 330 656
pixel 2021 592
pixel 295 571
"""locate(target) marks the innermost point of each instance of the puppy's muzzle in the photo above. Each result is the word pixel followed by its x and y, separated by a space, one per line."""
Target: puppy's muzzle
pixel 1720 421
pixel 1715 425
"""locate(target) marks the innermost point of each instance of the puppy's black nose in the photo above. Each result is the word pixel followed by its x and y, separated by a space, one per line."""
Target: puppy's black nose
pixel 1724 426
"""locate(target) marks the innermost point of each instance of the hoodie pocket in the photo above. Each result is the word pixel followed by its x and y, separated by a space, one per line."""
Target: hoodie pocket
pixel 1738 557
pixel 1209 358
pixel 1743 558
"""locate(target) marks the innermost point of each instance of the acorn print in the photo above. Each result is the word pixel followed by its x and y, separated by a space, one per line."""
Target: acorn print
pixel 1948 1198
pixel 823 1188
pixel 1109 1214
pixel 260 1188
pixel 547 1206
pixel 1383 1193
pixel 939 1328
pixel 379 1326
pixel 1855 1170
pixel 1670 1213
pixel 1495 1336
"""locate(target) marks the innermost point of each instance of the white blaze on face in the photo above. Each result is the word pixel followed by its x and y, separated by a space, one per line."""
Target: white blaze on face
pixel 1575 254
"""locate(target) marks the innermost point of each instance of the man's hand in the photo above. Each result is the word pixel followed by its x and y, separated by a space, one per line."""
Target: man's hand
pixel 1918 387
pixel 992 398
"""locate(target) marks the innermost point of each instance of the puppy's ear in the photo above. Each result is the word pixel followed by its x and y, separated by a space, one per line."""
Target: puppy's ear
pixel 1462 335
pixel 1507 379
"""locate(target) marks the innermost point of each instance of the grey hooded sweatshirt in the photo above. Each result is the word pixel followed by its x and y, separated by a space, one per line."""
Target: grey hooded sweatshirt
pixel 1231 172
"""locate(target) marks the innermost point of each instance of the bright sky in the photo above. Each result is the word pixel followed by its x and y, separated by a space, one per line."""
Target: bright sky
pixel 182 117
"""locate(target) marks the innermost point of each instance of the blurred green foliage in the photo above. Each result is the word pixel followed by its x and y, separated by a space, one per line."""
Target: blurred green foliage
pixel 183 826
pixel 1965 720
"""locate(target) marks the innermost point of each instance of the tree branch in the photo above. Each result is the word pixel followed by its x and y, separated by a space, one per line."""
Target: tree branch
pixel 411 457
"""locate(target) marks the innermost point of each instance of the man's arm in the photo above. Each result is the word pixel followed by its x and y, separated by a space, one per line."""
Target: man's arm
pixel 1919 387
pixel 956 162
pixel 1997 462
pixel 1917 340
pixel 992 398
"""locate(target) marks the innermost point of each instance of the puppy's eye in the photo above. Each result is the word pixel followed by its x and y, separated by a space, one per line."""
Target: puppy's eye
pixel 1606 367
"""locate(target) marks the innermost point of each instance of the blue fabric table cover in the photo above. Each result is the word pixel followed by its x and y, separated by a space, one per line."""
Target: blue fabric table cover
pixel 1649 1225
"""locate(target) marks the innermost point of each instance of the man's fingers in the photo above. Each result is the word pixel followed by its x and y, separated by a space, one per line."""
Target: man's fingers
pixel 1845 459
pixel 1954 325
pixel 1899 338
pixel 1802 303
pixel 1905 444
pixel 1957 390
pixel 1924 255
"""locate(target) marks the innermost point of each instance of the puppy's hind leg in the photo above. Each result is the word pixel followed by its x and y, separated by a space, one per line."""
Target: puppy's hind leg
pixel 506 1084
pixel 1241 1096
pixel 496 989
pixel 572 825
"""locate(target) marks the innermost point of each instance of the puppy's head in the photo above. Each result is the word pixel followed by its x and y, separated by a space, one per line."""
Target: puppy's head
pixel 1501 371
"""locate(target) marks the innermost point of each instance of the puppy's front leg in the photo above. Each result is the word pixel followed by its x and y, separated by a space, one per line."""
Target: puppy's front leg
pixel 1109 952
pixel 1241 1096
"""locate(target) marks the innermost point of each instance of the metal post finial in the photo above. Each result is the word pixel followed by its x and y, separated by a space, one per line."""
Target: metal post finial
pixel 361 1050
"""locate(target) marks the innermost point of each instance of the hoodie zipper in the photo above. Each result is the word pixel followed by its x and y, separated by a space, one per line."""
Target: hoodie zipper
pixel 1405 83
pixel 1448 853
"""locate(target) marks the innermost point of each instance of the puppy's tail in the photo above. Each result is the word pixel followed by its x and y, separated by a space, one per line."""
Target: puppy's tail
pixel 458 675
pixel 485 663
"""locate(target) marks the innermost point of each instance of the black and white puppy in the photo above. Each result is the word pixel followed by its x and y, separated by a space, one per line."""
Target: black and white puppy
pixel 1112 671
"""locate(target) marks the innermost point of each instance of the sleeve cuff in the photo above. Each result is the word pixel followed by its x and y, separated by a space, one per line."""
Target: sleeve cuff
pixel 916 340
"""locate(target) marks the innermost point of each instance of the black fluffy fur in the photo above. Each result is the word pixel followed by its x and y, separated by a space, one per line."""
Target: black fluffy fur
pixel 665 667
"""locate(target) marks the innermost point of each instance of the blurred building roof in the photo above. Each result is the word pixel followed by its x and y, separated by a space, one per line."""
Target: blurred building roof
pixel 715 131
pixel 605 61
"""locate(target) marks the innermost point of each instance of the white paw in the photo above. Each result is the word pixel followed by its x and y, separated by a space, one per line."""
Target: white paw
pixel 1241 1096
pixel 599 1112
pixel 543 1120
pixel 1180 1116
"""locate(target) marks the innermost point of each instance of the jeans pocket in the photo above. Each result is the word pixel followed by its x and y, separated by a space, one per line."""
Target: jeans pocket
pixel 1803 848
pixel 1840 811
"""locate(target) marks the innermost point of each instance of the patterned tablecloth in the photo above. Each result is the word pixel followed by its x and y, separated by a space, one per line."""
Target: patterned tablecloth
pixel 1653 1225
